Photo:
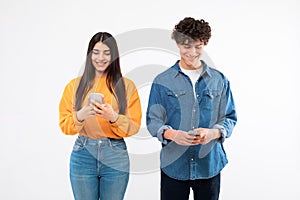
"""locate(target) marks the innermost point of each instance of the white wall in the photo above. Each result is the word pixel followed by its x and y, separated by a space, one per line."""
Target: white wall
pixel 255 43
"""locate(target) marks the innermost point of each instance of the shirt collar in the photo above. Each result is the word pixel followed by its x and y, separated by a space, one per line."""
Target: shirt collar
pixel 177 70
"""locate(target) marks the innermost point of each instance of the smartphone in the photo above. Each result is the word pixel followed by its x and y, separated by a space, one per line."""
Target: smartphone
pixel 98 97
pixel 193 132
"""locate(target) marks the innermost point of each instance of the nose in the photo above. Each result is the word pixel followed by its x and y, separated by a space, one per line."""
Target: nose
pixel 193 51
pixel 100 56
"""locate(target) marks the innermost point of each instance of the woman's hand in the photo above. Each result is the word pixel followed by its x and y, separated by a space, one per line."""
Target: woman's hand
pixel 85 112
pixel 106 111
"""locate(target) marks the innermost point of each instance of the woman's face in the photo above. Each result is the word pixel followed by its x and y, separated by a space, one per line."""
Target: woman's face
pixel 101 58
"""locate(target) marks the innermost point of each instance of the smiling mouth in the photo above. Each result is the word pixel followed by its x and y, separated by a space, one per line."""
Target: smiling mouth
pixel 101 63
pixel 191 58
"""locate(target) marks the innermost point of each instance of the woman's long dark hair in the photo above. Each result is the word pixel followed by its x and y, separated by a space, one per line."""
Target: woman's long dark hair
pixel 114 79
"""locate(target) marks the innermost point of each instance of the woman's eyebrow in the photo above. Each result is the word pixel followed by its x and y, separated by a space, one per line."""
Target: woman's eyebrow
pixel 97 50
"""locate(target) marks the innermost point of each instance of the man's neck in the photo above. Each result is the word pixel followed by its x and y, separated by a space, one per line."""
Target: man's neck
pixel 183 65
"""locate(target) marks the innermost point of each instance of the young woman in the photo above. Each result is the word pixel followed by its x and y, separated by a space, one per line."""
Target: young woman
pixel 99 164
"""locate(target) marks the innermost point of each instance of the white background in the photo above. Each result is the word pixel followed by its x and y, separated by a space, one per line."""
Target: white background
pixel 255 43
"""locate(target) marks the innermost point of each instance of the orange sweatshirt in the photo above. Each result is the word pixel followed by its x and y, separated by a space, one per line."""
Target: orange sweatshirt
pixel 98 127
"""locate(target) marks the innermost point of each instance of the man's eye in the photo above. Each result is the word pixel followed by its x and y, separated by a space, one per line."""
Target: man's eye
pixel 187 47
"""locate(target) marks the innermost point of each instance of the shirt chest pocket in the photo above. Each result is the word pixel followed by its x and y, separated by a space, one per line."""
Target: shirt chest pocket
pixel 210 99
pixel 175 99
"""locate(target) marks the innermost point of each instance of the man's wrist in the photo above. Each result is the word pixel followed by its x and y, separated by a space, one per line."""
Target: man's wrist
pixel 223 132
pixel 217 133
pixel 168 134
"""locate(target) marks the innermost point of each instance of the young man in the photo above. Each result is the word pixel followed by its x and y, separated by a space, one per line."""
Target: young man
pixel 191 111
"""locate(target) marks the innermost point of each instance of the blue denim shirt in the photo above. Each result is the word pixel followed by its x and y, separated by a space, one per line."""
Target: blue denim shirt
pixel 172 104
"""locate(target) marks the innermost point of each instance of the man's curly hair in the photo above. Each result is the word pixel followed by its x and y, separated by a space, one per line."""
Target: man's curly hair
pixel 191 30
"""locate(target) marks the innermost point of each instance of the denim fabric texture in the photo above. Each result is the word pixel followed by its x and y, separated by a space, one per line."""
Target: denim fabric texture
pixel 99 169
pixel 172 104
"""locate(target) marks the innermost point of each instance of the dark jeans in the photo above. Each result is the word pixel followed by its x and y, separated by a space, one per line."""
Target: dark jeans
pixel 204 189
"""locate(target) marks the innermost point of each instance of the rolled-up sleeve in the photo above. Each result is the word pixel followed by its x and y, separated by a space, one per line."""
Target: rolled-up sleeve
pixel 156 114
pixel 227 114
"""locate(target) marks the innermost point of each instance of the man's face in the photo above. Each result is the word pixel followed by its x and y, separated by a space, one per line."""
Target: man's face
pixel 190 53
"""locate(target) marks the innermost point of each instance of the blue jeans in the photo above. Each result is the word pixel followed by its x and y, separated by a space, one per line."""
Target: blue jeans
pixel 204 189
pixel 99 169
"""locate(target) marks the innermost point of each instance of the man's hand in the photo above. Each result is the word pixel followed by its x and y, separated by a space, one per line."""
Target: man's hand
pixel 206 135
pixel 181 137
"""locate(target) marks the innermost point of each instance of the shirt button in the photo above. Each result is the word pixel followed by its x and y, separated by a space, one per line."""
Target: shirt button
pixel 192 159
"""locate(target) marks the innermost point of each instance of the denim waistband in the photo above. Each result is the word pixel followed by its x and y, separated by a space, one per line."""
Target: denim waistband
pixel 86 140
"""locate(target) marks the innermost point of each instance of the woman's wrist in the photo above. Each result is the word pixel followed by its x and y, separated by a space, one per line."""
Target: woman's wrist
pixel 115 117
pixel 78 118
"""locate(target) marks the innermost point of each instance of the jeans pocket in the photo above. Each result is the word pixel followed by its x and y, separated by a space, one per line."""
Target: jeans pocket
pixel 118 145
pixel 78 146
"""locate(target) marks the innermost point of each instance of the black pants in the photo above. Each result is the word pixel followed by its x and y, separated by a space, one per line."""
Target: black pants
pixel 204 189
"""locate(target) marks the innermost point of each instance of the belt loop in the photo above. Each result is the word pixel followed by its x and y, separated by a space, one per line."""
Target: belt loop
pixel 83 139
pixel 109 142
